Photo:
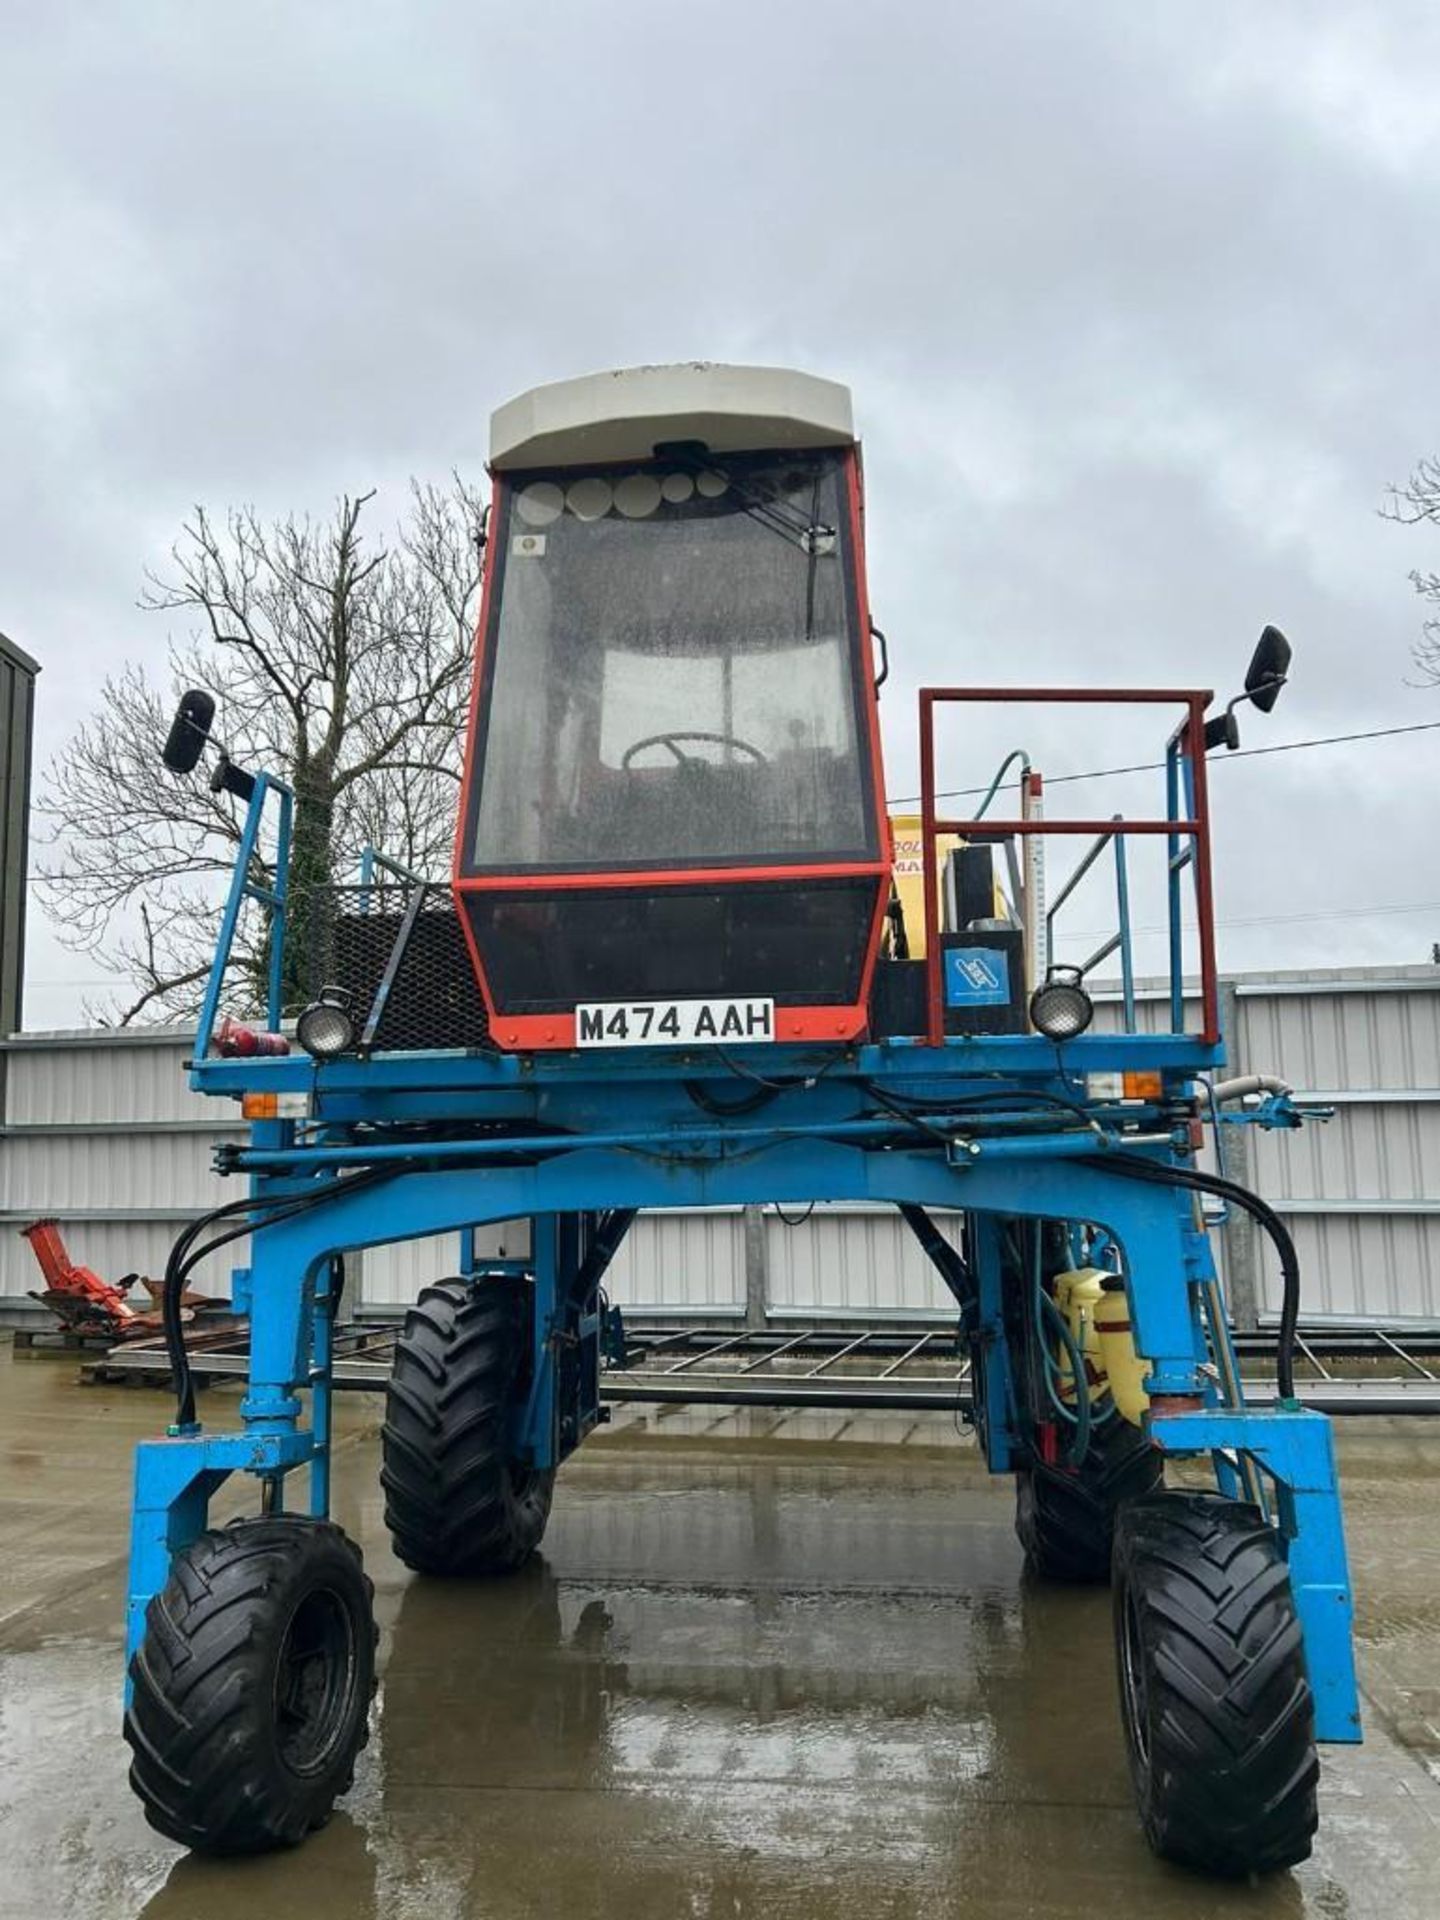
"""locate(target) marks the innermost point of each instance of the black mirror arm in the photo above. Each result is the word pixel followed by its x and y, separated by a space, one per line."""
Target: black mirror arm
pixel 1270 686
pixel 1224 729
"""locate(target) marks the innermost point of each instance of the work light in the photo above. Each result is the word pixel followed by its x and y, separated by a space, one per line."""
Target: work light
pixel 325 1028
pixel 1060 1007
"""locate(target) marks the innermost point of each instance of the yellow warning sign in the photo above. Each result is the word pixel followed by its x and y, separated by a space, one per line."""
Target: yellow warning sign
pixel 910 871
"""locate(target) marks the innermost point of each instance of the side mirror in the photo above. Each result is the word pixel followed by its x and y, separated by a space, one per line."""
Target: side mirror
pixel 1269 668
pixel 189 731
pixel 1268 672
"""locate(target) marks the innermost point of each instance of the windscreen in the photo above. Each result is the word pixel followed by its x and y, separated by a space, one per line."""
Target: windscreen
pixel 672 672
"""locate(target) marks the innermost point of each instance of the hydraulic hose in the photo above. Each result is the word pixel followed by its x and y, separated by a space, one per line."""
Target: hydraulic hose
pixel 253 1212
pixel 1082 1416
pixel 1132 1167
pixel 729 1109
pixel 1224 1091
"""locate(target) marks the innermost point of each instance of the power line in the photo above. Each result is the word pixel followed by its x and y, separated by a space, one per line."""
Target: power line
pixel 1074 933
pixel 1341 913
pixel 1158 766
pixel 1106 773
pixel 1268 920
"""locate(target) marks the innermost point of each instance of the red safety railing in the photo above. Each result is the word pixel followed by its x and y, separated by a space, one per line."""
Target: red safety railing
pixel 1189 834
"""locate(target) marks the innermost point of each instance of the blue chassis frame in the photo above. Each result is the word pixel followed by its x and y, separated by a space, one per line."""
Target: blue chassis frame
pixel 573 1141
pixel 621 1133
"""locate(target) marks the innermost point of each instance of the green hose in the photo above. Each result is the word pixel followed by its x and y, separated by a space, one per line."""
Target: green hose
pixel 1080 1444
pixel 1081 1414
pixel 1017 753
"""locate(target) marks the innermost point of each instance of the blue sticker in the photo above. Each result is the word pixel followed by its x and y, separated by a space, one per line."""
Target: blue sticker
pixel 977 977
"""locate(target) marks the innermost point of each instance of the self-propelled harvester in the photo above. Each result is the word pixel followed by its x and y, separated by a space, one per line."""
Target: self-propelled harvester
pixel 670 969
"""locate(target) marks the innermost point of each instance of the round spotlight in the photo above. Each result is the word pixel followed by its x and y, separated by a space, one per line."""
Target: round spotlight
pixel 591 498
pixel 541 504
pixel 637 495
pixel 1060 1007
pixel 325 1028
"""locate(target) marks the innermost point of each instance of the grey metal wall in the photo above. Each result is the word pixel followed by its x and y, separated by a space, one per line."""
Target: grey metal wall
pixel 672 1261
pixel 851 1260
pixel 102 1131
pixel 1362 1193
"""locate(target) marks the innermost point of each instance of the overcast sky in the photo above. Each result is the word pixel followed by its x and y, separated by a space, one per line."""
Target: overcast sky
pixel 1138 304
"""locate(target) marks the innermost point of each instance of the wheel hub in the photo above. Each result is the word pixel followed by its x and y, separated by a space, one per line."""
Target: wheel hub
pixel 314 1678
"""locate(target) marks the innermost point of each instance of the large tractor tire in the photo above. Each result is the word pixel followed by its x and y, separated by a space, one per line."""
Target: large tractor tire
pixel 1065 1517
pixel 251 1687
pixel 456 1503
pixel 1219 1720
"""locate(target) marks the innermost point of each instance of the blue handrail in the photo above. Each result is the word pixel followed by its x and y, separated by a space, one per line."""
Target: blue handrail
pixel 1121 939
pixel 243 888
pixel 370 859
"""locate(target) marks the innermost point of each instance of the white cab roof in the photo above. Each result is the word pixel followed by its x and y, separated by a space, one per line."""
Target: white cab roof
pixel 623 415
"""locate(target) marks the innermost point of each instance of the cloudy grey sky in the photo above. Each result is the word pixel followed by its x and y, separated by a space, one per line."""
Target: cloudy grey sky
pixel 1138 304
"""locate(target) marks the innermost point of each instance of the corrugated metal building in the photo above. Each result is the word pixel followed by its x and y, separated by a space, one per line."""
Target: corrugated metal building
pixel 102 1131
pixel 1362 1194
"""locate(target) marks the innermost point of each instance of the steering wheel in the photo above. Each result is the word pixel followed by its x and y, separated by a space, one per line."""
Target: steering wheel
pixel 685 733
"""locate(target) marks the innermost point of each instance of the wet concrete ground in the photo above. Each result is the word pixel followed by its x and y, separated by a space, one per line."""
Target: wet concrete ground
pixel 767 1666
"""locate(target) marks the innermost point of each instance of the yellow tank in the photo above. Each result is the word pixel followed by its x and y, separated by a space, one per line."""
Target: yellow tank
pixel 1124 1368
pixel 1095 1306
pixel 1078 1294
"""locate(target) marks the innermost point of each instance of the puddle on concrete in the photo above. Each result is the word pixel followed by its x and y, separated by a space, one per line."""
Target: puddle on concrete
pixel 749 1677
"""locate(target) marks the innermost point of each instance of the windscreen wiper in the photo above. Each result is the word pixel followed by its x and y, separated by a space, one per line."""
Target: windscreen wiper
pixel 791 523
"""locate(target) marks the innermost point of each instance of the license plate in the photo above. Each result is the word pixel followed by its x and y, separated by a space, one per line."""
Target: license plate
pixel 673 1023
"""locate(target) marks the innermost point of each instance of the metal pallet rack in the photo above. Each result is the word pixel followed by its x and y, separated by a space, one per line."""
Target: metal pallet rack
pixel 1345 1369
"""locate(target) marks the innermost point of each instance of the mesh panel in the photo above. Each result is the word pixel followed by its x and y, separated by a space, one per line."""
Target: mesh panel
pixel 348 936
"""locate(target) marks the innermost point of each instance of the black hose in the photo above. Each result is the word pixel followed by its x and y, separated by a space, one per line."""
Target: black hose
pixel 729 1109
pixel 178 1268
pixel 1033 1098
pixel 171 1288
pixel 1158 1173
pixel 911 1119
pixel 765 1090
pixel 252 1213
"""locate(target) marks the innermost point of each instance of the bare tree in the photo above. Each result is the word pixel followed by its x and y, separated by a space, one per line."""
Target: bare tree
pixel 340 665
pixel 1419 500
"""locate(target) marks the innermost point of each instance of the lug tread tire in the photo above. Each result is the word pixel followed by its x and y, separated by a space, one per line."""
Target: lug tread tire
pixel 454 1502
pixel 200 1724
pixel 1065 1519
pixel 1225 1767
